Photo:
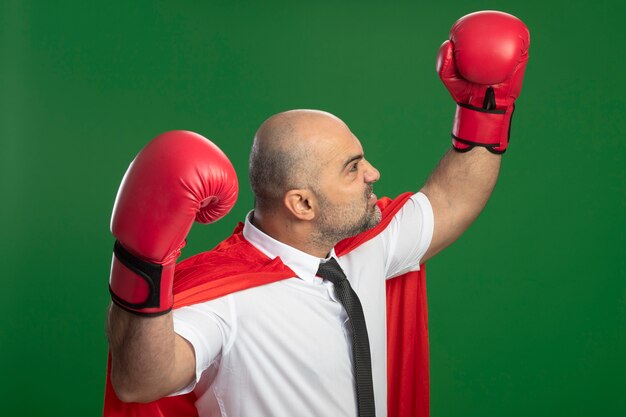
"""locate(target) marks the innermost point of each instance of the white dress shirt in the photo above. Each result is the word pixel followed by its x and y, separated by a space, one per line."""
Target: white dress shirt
pixel 283 349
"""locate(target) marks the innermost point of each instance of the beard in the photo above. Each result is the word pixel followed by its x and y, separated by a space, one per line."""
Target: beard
pixel 336 222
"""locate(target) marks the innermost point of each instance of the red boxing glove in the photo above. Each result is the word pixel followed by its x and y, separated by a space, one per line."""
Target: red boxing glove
pixel 178 177
pixel 482 66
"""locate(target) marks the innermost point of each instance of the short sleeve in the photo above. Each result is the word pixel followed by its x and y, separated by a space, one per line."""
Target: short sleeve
pixel 408 236
pixel 209 327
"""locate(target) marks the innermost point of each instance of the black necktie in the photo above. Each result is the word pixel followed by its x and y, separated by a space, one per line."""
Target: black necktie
pixel 362 361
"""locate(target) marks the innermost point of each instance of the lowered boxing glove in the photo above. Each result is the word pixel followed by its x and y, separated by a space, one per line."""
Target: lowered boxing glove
pixel 482 65
pixel 177 178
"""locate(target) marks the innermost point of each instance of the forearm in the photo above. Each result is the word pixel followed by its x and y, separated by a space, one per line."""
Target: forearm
pixel 143 355
pixel 458 190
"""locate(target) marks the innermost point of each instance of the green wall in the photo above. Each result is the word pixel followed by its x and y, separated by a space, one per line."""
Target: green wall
pixel 527 309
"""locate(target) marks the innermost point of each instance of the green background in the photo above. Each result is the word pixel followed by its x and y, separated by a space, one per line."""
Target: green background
pixel 527 309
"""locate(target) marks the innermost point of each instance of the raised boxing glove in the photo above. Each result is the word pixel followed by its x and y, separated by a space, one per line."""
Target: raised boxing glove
pixel 178 177
pixel 482 65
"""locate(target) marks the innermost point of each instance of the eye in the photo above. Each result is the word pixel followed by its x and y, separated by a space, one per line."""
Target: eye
pixel 354 167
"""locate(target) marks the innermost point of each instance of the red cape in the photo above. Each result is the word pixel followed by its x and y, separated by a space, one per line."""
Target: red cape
pixel 235 265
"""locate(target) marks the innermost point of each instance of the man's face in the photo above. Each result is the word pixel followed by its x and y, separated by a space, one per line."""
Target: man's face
pixel 347 204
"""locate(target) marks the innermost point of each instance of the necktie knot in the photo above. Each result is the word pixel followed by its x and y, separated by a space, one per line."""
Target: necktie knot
pixel 331 271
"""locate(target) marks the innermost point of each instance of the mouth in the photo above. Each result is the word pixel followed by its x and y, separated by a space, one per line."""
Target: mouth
pixel 370 196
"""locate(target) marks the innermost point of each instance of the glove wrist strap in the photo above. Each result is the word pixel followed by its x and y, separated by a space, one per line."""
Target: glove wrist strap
pixel 138 286
pixel 475 126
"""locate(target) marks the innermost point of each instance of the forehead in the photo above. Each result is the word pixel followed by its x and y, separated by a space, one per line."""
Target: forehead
pixel 334 149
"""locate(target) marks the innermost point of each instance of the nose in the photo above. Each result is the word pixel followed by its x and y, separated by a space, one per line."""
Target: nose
pixel 371 174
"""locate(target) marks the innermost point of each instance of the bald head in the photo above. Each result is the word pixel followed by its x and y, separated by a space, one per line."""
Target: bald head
pixel 285 150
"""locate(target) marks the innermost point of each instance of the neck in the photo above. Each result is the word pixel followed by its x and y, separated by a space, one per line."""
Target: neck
pixel 297 234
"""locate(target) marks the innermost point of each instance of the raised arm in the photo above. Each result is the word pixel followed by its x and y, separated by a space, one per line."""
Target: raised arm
pixel 148 360
pixel 482 65
pixel 178 177
pixel 458 190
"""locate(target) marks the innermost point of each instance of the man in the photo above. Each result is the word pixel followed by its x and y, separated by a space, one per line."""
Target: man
pixel 291 342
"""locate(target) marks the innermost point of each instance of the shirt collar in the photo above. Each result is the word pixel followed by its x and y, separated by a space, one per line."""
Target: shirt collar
pixel 304 265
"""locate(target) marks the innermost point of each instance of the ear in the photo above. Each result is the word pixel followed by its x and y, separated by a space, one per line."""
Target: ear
pixel 301 203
